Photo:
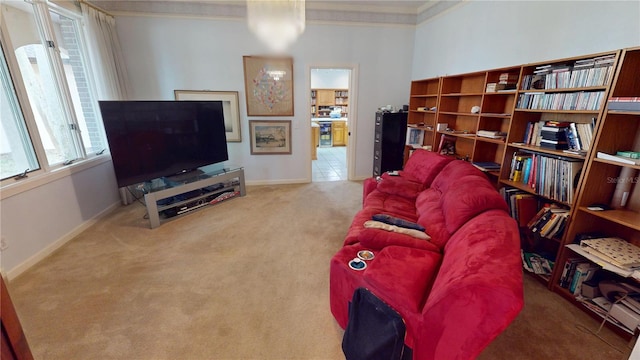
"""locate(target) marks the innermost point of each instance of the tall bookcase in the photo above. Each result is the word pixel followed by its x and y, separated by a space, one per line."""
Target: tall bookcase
pixel 423 105
pixel 616 131
pixel 563 91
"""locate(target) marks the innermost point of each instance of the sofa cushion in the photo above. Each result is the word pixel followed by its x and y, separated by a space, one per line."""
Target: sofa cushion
pixel 467 197
pixel 400 185
pixel 376 239
pixel 425 166
pixel 429 211
pixel 402 276
pixel 452 172
pixel 399 206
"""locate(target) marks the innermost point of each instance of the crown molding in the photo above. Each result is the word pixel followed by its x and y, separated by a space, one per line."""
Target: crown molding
pixel 348 12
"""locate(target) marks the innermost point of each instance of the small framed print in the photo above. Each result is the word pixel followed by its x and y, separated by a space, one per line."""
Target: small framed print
pixel 269 137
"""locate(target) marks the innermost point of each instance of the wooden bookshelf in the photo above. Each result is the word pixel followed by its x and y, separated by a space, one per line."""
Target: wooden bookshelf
pixel 615 131
pixel 573 90
pixel 324 100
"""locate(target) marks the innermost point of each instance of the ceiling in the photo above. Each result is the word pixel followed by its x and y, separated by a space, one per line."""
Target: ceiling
pixel 400 12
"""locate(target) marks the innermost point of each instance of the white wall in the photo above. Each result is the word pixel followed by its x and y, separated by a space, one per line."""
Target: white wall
pixel 480 35
pixel 39 220
pixel 330 78
pixel 167 53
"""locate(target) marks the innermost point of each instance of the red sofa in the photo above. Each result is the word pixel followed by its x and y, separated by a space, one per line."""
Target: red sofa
pixel 457 291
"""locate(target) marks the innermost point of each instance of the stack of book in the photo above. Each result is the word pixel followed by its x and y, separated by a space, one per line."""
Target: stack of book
pixel 549 222
pixel 578 135
pixel 486 165
pixel 613 250
pixel 624 103
pixel 554 135
pixel 575 272
pixel 536 263
pixel 552 176
pixel 491 134
pixel 623 157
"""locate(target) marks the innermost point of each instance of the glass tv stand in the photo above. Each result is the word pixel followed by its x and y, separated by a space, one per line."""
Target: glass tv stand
pixel 172 196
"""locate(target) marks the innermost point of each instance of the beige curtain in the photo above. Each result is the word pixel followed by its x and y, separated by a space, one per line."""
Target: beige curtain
pixel 106 55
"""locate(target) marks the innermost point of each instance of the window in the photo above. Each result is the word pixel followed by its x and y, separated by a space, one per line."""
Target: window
pixel 45 44
pixel 16 150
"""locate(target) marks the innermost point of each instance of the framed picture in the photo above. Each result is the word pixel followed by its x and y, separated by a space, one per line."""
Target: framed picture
pixel 268 85
pixel 270 137
pixel 415 137
pixel 447 145
pixel 230 108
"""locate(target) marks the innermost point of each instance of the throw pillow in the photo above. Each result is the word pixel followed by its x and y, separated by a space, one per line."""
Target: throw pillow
pixel 392 220
pixel 380 225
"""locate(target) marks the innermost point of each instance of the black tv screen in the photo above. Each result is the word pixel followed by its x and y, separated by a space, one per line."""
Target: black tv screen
pixel 152 139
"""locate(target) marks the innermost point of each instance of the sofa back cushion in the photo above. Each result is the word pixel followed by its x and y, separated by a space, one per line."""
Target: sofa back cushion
pixel 468 197
pixel 431 217
pixel 453 171
pixel 425 165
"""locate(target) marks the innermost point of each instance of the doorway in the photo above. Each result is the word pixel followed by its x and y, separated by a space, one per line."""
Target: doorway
pixel 332 121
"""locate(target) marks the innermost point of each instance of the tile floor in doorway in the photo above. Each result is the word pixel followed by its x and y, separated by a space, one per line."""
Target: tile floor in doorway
pixel 331 164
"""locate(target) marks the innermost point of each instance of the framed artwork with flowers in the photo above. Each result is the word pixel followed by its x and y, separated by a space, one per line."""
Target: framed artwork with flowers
pixel 268 85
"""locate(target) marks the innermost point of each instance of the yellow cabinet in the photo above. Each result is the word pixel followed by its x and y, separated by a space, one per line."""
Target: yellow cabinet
pixel 339 133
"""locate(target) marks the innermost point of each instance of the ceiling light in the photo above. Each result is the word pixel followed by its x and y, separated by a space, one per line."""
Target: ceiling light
pixel 277 23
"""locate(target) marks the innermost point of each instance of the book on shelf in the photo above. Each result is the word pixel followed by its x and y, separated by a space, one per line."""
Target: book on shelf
pixel 554 177
pixel 627 103
pixel 613 250
pixel 597 71
pixel 618 158
pixel 486 165
pixel 536 263
pixel 581 100
pixel 491 134
pixel 583 272
pixel 568 271
pixel 629 154
pixel 577 136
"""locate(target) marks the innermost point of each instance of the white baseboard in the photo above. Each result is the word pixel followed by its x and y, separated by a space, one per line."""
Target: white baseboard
pixel 277 182
pixel 25 265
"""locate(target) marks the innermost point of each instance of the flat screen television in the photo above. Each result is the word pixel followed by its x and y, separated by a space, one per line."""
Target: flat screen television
pixel 153 139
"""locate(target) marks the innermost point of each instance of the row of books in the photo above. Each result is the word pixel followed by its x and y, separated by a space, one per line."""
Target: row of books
pixel 583 100
pixel 536 263
pixel 624 103
pixel 549 222
pixel 577 136
pixel 596 71
pixel 575 272
pixel 550 176
pixel 522 206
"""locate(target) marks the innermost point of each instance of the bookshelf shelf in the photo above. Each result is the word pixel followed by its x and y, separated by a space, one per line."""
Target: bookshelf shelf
pixel 576 89
pixel 501 92
pixel 594 112
pixel 538 149
pixel 455 113
pixel 423 111
pixel 506 116
pixel 490 140
pixel 463 94
pixel 424 95
pixel 530 190
pixel 627 218
pixel 621 112
pixel 609 162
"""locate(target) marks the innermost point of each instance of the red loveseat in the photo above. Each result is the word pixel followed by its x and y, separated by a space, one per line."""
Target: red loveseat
pixel 455 292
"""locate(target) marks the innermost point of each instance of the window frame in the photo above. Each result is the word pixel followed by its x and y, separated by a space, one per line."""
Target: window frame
pixel 50 172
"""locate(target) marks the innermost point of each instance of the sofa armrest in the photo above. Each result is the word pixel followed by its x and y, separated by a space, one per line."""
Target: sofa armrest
pixel 368 186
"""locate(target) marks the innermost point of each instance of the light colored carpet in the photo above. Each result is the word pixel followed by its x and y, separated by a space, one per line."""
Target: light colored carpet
pixel 245 279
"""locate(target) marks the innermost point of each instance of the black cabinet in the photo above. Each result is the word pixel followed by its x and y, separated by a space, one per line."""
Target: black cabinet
pixel 388 148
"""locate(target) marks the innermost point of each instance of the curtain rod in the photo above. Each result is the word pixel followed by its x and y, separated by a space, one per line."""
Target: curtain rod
pixel 97 8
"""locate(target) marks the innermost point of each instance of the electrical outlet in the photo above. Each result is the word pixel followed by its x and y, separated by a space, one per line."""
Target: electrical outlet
pixel 3 244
